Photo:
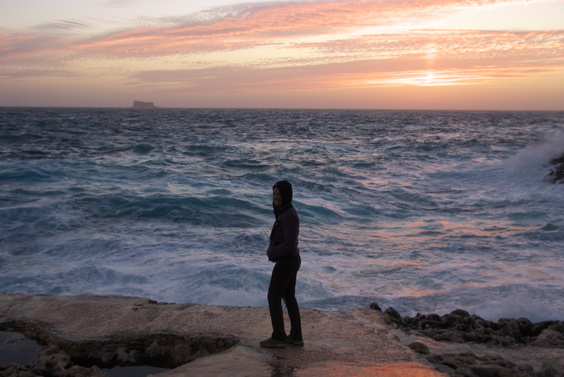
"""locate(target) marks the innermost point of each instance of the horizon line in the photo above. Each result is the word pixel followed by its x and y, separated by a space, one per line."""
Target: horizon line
pixel 271 108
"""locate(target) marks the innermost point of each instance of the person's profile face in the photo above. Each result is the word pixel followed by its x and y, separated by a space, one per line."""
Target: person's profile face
pixel 276 197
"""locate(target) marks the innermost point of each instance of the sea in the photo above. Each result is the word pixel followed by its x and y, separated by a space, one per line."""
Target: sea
pixel 422 211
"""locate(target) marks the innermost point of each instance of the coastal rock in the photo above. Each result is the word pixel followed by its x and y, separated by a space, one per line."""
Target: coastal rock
pixel 51 361
pixel 470 365
pixel 419 348
pixel 63 357
pixel 84 335
pixel 501 345
pixel 14 370
pixel 552 369
pixel 394 317
pixel 549 338
pixel 556 174
pixel 459 326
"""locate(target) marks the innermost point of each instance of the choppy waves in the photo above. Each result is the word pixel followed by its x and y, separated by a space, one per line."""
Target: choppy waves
pixel 423 211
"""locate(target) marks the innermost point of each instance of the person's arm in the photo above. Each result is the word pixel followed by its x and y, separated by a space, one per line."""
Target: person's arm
pixel 285 241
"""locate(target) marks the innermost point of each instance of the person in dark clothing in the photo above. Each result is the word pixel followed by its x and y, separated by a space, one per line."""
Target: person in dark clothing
pixel 284 252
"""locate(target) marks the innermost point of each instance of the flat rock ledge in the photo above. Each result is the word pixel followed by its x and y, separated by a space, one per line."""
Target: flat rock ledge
pixel 81 335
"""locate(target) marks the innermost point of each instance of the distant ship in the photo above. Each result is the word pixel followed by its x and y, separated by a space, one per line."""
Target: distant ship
pixel 143 105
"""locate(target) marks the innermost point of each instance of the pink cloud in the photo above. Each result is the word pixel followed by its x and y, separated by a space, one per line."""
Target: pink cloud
pixel 243 26
pixel 469 67
pixel 418 56
pixel 253 26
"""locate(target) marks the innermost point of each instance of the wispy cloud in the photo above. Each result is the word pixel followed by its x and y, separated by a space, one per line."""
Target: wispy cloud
pixel 254 25
pixel 16 46
pixel 61 25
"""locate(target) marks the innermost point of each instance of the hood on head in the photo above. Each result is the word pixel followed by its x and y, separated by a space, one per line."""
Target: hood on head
pixel 285 188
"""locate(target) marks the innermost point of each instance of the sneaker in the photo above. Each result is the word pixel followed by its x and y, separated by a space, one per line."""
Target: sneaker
pixel 273 343
pixel 294 342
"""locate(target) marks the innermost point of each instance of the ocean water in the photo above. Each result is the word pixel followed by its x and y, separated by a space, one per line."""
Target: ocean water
pixel 424 211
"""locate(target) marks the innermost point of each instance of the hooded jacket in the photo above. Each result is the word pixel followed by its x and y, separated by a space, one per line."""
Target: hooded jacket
pixel 283 243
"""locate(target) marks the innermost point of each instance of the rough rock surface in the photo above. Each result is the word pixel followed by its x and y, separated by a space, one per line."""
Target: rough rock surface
pixel 480 348
pixel 460 326
pixel 83 333
pixel 556 174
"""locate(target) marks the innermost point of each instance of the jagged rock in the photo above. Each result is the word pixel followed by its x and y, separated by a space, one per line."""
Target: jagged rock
pixel 78 371
pixel 375 306
pixel 394 317
pixel 63 357
pixel 520 329
pixel 549 338
pixel 51 361
pixel 556 174
pixel 454 361
pixel 495 371
pixel 552 369
pixel 419 348
pixel 469 365
pixel 14 370
pixel 459 327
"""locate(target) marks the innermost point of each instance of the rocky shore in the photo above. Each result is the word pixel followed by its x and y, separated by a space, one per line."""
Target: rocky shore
pixel 466 345
pixel 90 335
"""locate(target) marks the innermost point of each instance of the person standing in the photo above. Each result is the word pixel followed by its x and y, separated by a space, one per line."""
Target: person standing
pixel 284 252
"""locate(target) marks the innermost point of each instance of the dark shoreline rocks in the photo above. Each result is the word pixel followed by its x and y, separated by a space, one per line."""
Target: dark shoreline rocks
pixel 556 174
pixel 460 326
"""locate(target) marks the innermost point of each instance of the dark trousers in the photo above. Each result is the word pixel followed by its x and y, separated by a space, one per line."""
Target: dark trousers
pixel 283 286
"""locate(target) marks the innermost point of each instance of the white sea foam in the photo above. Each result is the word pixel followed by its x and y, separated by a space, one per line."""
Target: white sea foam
pixel 422 211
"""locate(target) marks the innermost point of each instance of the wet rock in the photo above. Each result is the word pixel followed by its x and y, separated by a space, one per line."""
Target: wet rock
pixel 14 370
pixel 460 327
pixel 549 338
pixel 556 174
pixel 494 371
pixel 51 361
pixel 552 369
pixel 63 357
pixel 454 361
pixel 469 365
pixel 394 317
pixel 78 371
pixel 375 306
pixel 419 348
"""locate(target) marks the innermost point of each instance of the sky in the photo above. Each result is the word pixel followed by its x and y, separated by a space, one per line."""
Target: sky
pixel 357 54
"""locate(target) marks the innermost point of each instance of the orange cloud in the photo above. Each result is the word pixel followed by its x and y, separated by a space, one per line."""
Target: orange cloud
pixel 300 46
pixel 458 58
pixel 248 26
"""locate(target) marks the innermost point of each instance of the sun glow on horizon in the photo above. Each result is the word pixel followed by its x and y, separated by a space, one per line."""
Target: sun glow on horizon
pixel 429 78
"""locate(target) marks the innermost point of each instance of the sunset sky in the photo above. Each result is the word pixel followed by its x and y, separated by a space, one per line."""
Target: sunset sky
pixel 374 54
